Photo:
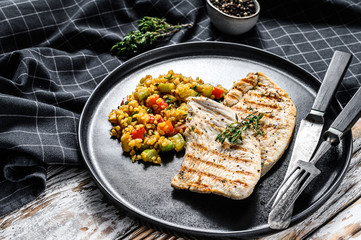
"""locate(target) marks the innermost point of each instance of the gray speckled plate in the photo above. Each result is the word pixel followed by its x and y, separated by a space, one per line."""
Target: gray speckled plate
pixel 144 189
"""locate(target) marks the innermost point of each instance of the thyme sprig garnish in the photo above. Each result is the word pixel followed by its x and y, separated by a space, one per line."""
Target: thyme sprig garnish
pixel 150 30
pixel 233 132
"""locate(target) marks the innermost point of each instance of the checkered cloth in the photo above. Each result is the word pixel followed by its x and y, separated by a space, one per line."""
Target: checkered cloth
pixel 54 53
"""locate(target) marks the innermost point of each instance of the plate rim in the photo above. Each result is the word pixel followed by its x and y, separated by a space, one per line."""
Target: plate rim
pixel 261 231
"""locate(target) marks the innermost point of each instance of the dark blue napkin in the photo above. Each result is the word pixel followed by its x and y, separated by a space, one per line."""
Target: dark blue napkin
pixel 54 53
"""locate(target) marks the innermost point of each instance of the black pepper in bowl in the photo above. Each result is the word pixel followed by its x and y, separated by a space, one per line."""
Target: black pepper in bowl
pixel 237 8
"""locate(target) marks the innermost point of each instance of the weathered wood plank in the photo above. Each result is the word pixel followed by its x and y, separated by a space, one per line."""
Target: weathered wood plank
pixel 72 207
pixel 346 225
pixel 356 135
pixel 148 233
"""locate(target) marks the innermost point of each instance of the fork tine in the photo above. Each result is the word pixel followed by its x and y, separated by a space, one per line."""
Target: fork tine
pixel 282 185
pixel 281 213
pixel 310 173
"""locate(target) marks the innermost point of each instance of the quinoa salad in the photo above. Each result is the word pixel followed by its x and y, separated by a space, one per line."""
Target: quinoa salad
pixel 152 119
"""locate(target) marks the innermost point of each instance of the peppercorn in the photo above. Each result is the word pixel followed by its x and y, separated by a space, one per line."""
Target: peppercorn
pixel 237 8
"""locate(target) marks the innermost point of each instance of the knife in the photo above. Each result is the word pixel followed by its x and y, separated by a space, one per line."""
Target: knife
pixel 310 129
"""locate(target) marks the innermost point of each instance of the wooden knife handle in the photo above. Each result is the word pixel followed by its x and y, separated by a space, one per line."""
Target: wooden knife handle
pixel 334 74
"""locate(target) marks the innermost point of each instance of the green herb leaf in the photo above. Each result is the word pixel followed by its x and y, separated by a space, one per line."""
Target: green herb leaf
pixel 150 30
pixel 168 100
pixel 170 77
pixel 135 112
pixel 233 132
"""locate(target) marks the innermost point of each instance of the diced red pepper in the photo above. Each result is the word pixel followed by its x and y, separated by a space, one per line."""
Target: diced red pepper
pixel 179 128
pixel 217 92
pixel 154 100
pixel 138 133
pixel 123 101
pixel 166 127
pixel 162 104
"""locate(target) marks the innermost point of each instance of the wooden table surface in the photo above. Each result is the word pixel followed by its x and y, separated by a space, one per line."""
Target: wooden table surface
pixel 72 207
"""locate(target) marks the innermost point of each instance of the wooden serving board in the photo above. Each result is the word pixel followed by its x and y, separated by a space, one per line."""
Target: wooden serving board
pixel 72 207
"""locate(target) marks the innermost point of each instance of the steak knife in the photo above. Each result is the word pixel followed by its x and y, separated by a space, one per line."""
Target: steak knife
pixel 310 129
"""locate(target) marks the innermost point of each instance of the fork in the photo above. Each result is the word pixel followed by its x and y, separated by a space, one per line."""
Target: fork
pixel 304 172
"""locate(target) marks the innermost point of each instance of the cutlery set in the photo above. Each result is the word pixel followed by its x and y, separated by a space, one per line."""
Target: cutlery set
pixel 307 152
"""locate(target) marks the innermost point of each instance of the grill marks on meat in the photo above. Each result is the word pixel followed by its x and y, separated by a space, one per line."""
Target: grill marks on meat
pixel 233 170
pixel 279 118
pixel 211 167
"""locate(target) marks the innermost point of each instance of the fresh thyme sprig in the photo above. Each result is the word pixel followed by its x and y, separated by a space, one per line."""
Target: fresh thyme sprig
pixel 150 29
pixel 233 132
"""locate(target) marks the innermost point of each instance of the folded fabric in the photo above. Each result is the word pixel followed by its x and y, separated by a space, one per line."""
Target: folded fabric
pixel 54 53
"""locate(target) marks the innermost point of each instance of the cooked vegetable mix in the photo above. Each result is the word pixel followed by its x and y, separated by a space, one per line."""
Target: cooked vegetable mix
pixel 152 119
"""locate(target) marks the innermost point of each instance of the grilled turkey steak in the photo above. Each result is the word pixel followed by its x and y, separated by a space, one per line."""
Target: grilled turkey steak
pixel 210 166
pixel 233 170
pixel 257 92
